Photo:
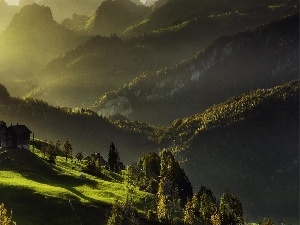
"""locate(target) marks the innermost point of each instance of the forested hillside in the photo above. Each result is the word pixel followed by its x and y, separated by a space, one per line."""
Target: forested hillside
pixel 175 12
pixel 262 58
pixel 113 17
pixel 155 50
pixel 177 112
pixel 249 144
pixel 87 131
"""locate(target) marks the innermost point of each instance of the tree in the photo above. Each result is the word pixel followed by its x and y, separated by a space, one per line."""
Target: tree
pixel 171 170
pixel 5 218
pixel 113 159
pixel 79 156
pixel 215 218
pixel 189 213
pixel 57 147
pixel 150 165
pixel 162 207
pixel 124 213
pixel 169 210
pixel 68 149
pixel 231 209
pixel 51 152
pixel 267 221
pixel 44 147
pixel 207 208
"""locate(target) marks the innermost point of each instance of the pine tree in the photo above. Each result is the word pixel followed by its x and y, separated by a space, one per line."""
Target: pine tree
pixel 68 149
pixel 113 159
pixel 189 213
pixel 162 207
pixel 231 209
pixel 5 219
pixel 207 208
pixel 171 170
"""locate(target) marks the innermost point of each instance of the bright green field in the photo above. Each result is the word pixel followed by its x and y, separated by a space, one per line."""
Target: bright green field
pixel 39 193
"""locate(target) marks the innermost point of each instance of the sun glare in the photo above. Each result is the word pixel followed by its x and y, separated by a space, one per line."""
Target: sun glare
pixel 12 2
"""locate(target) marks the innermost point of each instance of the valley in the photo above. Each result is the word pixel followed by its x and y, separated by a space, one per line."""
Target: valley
pixel 175 111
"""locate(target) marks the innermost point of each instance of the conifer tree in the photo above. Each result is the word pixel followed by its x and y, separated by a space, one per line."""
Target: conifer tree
pixel 171 170
pixel 113 159
pixel 207 208
pixel 189 213
pixel 68 149
pixel 5 218
pixel 231 209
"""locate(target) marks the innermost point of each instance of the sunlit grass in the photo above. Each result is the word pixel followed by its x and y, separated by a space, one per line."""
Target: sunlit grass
pixel 37 188
pixel 65 182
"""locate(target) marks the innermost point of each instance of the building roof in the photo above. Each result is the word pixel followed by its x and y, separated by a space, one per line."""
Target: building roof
pixel 20 129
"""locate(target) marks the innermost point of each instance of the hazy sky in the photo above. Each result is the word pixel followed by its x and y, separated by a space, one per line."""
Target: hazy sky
pixel 12 2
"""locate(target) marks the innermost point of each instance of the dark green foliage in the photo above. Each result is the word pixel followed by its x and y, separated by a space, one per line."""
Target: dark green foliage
pixel 79 156
pixel 113 159
pixel 4 95
pixel 5 217
pixel 231 210
pixel 244 142
pixel 87 130
pixel 94 166
pixel 219 69
pixel 51 152
pixel 149 164
pixel 67 149
pixel 176 12
pixel 123 214
pixel 172 172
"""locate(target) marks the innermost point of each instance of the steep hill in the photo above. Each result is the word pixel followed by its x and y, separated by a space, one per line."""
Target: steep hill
pixel 30 41
pixel 41 193
pixel 87 131
pixel 230 66
pixel 249 144
pixel 114 17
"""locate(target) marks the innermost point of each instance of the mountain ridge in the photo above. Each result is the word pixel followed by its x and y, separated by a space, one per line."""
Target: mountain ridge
pixel 217 69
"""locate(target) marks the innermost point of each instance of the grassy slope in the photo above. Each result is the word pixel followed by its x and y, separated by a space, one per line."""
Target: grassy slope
pixel 40 193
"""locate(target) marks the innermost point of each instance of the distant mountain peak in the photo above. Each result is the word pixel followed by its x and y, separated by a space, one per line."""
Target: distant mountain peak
pixel 114 16
pixel 30 15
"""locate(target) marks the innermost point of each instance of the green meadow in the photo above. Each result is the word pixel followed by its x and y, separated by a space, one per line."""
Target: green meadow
pixel 41 193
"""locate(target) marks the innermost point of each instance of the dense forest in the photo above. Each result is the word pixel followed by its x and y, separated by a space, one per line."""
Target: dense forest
pixel 149 112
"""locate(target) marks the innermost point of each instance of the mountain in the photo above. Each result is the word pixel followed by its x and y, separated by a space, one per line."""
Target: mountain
pixel 6 14
pixel 75 23
pixel 175 12
pixel 248 144
pixel 114 17
pixel 87 131
pixel 107 69
pixel 264 57
pixel 65 9
pixel 30 41
pixel 99 65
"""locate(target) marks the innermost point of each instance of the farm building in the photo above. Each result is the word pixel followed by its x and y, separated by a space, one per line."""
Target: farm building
pixel 14 136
